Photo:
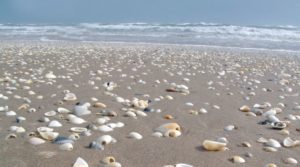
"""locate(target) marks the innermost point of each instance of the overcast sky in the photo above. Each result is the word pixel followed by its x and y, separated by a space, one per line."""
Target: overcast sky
pixel 240 12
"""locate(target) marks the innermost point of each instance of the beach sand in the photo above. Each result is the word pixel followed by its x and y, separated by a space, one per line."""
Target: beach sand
pixel 218 80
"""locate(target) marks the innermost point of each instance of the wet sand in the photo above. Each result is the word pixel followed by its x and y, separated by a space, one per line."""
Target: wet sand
pixel 218 80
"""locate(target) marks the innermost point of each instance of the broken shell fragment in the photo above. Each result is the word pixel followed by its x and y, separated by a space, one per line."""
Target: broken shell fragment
pixel 278 125
pixel 288 142
pixel 80 163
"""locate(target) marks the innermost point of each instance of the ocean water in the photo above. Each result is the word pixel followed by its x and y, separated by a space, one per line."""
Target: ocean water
pixel 285 38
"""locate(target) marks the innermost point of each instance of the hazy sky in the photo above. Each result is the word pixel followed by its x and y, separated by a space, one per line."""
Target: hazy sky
pixel 241 12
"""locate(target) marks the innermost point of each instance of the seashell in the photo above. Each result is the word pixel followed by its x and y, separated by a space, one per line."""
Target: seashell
pixel 141 104
pixel 130 114
pixel 11 136
pixel 108 160
pixel 63 110
pixel 13 128
pixel 78 129
pixel 50 75
pixel 183 165
pixel 270 165
pixel 262 140
pixel 20 119
pixel 54 123
pixel 237 159
pixel 105 139
pixel 66 147
pixel 288 142
pixel 96 145
pixel 210 145
pixel 141 113
pixel 44 129
pixel 77 120
pixel 273 143
pixel 157 134
pixel 111 114
pixel 284 132
pixel 80 163
pixel 36 141
pixel 290 160
pixel 229 128
pixel 245 108
pixel 80 110
pixel 44 119
pixel 114 164
pixel 112 125
pixel 172 133
pixel 10 113
pixel 273 118
pixel 20 130
pixel 101 121
pixel 168 126
pixel 105 128
pixel 70 97
pixel 23 107
pixel 135 135
pixel 270 149
pixel 119 99
pixel 120 124
pixel 62 140
pixel 203 111
pixel 269 113
pixel 50 113
pixel 246 144
pixel 74 136
pixel 49 135
pixel 99 105
pixel 222 140
pixel 32 110
pixel 168 116
pixel 278 125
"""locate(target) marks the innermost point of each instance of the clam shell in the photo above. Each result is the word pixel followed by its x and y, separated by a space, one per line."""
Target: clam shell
pixel 172 133
pixel 78 129
pixel 80 110
pixel 237 159
pixel 66 147
pixel 49 135
pixel 70 97
pixel 99 105
pixel 213 145
pixel 63 110
pixel 135 135
pixel 74 136
pixel 262 140
pixel 10 113
pixel 273 118
pixel 11 136
pixel 290 160
pixel 141 113
pixel 50 113
pixel 105 139
pixel 54 123
pixel 269 113
pixel 80 163
pixel 229 128
pixel 101 121
pixel 130 114
pixel 120 124
pixel 168 126
pixel 36 141
pixel 20 130
pixel 76 120
pixel 273 143
pixel 44 129
pixel 245 108
pixel 288 142
pixel 105 128
pixel 108 160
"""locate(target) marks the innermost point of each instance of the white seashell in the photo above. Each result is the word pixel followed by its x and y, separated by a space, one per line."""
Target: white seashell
pixel 135 135
pixel 49 135
pixel 262 140
pixel 50 113
pixel 80 163
pixel 291 117
pixel 44 119
pixel 66 147
pixel 269 113
pixel 10 113
pixel 120 99
pixel 214 145
pixel 54 123
pixel 20 130
pixel 183 165
pixel 120 124
pixel 36 141
pixel 101 121
pixel 270 149
pixel 284 132
pixel 273 143
pixel 229 128
pixel 237 159
pixel 70 97
pixel 80 110
pixel 157 134
pixel 74 136
pixel 141 113
pixel 44 129
pixel 78 129
pixel 203 111
pixel 130 114
pixel 273 118
pixel 290 160
pixel 63 110
pixel 77 120
pixel 112 125
pixel 105 128
pixel 105 139
pixel 13 128
pixel 288 142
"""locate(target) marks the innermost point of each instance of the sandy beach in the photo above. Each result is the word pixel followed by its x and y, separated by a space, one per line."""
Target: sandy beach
pixel 246 102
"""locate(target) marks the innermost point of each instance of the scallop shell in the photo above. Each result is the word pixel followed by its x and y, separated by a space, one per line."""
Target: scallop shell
pixel 50 113
pixel 49 135
pixel 66 147
pixel 288 142
pixel 168 126
pixel 214 145
pixel 172 133
pixel 237 159
pixel 78 129
pixel 135 135
pixel 54 123
pixel 106 139
pixel 80 163
pixel 108 160
pixel 273 143
pixel 36 141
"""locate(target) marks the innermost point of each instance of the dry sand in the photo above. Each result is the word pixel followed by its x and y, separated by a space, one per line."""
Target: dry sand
pixel 225 78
